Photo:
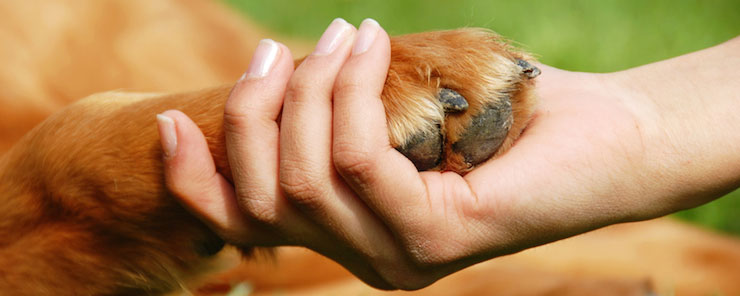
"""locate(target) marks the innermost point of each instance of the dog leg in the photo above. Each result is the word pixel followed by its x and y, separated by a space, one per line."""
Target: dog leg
pixel 85 210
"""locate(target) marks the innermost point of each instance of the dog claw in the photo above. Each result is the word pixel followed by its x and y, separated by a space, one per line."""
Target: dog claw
pixel 452 101
pixel 486 133
pixel 424 150
pixel 527 69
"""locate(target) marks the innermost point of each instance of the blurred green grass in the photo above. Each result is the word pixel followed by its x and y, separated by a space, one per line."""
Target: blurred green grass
pixel 577 35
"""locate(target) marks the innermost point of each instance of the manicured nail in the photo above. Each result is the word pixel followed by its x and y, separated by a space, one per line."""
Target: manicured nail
pixel 263 59
pixel 365 36
pixel 334 35
pixel 167 135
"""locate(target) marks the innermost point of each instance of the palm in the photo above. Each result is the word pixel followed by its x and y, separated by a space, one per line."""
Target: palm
pixel 555 182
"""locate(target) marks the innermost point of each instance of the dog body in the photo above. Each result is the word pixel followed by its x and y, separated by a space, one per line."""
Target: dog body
pixel 84 210
pixel 85 202
pixel 59 237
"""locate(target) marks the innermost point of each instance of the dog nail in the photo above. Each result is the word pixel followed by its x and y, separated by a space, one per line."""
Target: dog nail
pixel 452 101
pixel 263 59
pixel 424 150
pixel 486 133
pixel 365 36
pixel 167 135
pixel 527 69
pixel 334 35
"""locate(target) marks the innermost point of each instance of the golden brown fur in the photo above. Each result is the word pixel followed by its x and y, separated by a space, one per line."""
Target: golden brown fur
pixel 83 210
pixel 452 59
pixel 86 194
pixel 56 52
pixel 91 176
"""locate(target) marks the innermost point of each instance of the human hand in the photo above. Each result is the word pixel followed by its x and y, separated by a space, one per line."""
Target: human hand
pixel 260 146
pixel 601 149
pixel 583 163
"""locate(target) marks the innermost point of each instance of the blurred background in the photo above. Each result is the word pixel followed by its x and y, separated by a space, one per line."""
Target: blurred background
pixel 576 35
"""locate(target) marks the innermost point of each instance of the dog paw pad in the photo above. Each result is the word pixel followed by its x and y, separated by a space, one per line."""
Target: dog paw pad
pixel 486 132
pixel 424 149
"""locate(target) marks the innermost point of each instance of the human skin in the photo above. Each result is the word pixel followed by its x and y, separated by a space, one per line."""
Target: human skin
pixel 601 149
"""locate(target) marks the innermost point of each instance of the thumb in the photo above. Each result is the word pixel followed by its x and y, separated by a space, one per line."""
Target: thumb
pixel 191 176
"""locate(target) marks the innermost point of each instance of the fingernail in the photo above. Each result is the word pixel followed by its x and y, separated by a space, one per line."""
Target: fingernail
pixel 332 37
pixel 263 59
pixel 167 135
pixel 365 36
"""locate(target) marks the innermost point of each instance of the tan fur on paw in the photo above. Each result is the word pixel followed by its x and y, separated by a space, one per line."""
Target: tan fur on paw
pixel 431 73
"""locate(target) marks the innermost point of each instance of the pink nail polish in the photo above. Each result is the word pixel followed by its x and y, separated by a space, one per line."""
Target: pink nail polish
pixel 334 35
pixel 167 135
pixel 365 36
pixel 263 59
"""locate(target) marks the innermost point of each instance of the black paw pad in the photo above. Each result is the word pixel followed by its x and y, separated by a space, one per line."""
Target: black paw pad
pixel 486 133
pixel 424 150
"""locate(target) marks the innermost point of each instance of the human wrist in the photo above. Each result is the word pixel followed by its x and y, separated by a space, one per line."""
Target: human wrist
pixel 685 108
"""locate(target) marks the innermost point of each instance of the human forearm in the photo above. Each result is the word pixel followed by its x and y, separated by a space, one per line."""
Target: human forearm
pixel 687 113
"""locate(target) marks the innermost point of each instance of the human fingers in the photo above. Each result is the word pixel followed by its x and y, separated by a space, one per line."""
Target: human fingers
pixel 361 146
pixel 438 221
pixel 251 129
pixel 383 179
pixel 305 150
pixel 307 175
pixel 252 132
pixel 190 174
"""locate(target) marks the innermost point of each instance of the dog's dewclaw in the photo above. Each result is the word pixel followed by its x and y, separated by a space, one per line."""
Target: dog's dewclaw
pixel 452 101
pixel 527 69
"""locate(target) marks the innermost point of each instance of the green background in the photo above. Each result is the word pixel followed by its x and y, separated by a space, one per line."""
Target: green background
pixel 594 36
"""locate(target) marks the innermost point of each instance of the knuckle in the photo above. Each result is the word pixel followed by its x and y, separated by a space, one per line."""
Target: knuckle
pixel 301 88
pixel 245 122
pixel 351 158
pixel 434 251
pixel 234 120
pixel 347 86
pixel 421 255
pixel 248 128
pixel 300 185
pixel 263 213
pixel 237 127
pixel 302 191
pixel 238 108
pixel 261 210
pixel 401 272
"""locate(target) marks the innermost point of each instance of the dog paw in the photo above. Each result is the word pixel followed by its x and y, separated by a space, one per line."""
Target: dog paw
pixel 455 99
